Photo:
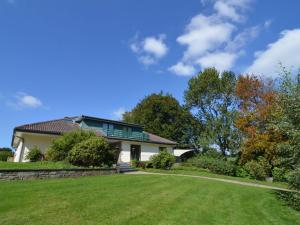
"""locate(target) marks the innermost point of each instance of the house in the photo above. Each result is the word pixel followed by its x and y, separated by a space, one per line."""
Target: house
pixel 134 143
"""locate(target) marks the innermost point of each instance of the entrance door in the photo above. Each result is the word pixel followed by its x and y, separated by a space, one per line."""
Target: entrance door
pixel 135 152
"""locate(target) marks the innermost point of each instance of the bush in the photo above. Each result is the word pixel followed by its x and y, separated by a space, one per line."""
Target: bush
pixel 34 154
pixel 292 199
pixel 214 165
pixel 279 174
pixel 241 172
pixel 294 179
pixel 162 160
pixel 5 153
pixel 94 151
pixel 255 170
pixel 60 147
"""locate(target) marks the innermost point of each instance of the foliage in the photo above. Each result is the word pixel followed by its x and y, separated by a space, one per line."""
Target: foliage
pixel 94 151
pixel 35 165
pixel 162 160
pixel 256 170
pixel 279 174
pixel 34 154
pixel 141 164
pixel 258 107
pixel 60 147
pixel 164 116
pixel 5 153
pixel 294 179
pixel 289 122
pixel 292 199
pixel 212 96
pixel 214 165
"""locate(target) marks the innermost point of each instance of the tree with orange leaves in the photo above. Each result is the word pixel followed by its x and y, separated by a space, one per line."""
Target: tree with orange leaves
pixel 258 107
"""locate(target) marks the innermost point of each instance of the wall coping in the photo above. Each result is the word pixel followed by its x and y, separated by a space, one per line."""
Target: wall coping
pixel 54 170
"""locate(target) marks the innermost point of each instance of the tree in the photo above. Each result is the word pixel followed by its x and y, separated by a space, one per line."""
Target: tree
pixel 5 153
pixel 212 96
pixel 258 108
pixel 60 147
pixel 94 151
pixel 163 115
pixel 289 121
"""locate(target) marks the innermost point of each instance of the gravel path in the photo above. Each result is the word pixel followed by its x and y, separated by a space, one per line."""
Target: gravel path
pixel 213 178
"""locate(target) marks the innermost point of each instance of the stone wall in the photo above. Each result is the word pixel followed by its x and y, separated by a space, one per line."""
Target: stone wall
pixel 17 174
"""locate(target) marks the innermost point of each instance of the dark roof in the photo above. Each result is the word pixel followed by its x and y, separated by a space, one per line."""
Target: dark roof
pixel 58 126
pixel 82 117
pixel 67 124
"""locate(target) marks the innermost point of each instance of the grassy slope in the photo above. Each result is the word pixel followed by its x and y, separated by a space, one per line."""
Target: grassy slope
pixel 202 172
pixel 139 199
pixel 35 165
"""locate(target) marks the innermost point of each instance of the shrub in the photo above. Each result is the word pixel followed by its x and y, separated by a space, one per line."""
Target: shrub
pixel 255 170
pixel 134 163
pixel 215 165
pixel 34 154
pixel 5 153
pixel 292 199
pixel 60 147
pixel 162 160
pixel 241 172
pixel 294 179
pixel 94 151
pixel 279 174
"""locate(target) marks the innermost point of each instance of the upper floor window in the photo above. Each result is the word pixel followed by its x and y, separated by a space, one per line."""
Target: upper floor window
pixel 108 126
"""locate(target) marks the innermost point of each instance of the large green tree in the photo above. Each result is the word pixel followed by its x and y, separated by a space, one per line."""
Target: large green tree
pixel 289 121
pixel 211 96
pixel 163 115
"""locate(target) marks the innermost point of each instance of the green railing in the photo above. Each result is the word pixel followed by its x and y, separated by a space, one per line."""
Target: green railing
pixel 127 135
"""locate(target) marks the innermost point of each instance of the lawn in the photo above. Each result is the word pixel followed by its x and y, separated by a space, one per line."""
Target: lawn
pixel 35 165
pixel 139 199
pixel 202 172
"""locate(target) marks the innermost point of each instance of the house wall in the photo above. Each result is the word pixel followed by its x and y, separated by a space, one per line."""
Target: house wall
pixel 43 142
pixel 147 150
pixel 31 140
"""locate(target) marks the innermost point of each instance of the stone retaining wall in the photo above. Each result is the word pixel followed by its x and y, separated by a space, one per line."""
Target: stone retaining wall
pixel 17 174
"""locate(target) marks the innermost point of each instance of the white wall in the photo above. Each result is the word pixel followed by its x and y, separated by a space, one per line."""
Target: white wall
pixel 31 140
pixel 147 150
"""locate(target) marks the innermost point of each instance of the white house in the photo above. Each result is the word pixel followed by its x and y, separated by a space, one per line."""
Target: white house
pixel 133 141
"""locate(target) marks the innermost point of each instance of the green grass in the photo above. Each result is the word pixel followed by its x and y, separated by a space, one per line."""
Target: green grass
pixel 35 165
pixel 139 199
pixel 202 172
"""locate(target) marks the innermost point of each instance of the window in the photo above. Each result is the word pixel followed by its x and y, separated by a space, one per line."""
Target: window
pixel 105 126
pixel 161 149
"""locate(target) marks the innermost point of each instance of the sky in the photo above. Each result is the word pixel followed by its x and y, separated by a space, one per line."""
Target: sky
pixel 100 58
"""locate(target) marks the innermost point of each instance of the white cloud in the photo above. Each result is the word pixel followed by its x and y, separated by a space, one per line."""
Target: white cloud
pixel 215 40
pixel 23 100
pixel 227 10
pixel 155 46
pixel 204 33
pixel 221 60
pixel 285 50
pixel 118 114
pixel 149 49
pixel 182 69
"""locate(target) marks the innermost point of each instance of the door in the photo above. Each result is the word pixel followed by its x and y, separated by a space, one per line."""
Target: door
pixel 135 152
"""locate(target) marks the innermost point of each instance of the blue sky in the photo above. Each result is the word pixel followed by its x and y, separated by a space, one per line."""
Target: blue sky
pixel 70 57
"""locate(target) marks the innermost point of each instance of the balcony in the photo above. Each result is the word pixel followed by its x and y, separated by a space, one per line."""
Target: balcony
pixel 126 135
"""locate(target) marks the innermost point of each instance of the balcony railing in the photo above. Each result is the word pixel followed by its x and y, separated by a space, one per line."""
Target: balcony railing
pixel 127 135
